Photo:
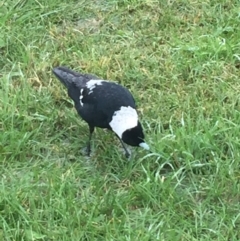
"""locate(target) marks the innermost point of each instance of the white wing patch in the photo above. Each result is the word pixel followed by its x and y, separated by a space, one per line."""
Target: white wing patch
pixel 81 97
pixel 91 84
pixel 124 119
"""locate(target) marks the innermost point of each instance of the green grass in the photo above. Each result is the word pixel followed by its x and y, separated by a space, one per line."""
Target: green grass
pixel 181 60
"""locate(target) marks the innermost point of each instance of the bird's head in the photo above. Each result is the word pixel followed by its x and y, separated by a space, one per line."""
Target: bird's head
pixel 135 137
pixel 127 127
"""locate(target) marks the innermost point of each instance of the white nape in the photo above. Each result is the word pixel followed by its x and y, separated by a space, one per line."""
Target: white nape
pixel 124 119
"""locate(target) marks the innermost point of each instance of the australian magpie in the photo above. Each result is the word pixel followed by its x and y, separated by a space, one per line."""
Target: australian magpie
pixel 103 104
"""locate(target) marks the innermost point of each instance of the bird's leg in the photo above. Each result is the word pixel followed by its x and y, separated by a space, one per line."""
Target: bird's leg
pixel 91 130
pixel 127 154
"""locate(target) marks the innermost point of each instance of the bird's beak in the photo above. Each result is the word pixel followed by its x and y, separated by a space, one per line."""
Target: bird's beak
pixel 144 146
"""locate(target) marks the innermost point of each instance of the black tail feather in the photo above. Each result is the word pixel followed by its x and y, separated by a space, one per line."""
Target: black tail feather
pixel 68 76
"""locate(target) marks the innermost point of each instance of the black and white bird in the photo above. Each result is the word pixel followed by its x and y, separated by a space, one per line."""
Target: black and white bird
pixel 104 104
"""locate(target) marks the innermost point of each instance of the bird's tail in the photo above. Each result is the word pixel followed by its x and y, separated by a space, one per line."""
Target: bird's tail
pixel 68 77
pixel 65 75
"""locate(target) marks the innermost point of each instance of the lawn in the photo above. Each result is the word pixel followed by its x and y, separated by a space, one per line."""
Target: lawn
pixel 181 61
